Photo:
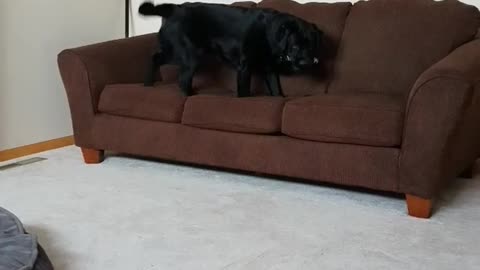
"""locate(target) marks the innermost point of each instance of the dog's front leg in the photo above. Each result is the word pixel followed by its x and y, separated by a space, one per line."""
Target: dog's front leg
pixel 155 62
pixel 243 81
pixel 185 79
pixel 273 84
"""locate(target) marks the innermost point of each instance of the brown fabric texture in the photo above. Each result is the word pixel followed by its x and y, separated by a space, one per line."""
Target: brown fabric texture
pixel 353 165
pixel 120 61
pixel 86 70
pixel 162 103
pixel 82 110
pixel 262 115
pixel 329 18
pixel 441 126
pixel 465 144
pixel 387 44
pixel 357 118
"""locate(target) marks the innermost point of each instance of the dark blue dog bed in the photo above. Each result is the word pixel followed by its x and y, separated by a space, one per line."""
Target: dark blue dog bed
pixel 18 249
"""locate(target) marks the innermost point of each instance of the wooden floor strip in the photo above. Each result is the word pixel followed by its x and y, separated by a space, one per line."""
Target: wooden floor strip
pixel 35 148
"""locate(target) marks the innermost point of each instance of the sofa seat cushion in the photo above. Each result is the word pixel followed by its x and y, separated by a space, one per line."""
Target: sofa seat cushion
pixel 164 102
pixel 260 115
pixel 359 118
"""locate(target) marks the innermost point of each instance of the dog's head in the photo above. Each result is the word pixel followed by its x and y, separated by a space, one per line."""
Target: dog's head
pixel 296 45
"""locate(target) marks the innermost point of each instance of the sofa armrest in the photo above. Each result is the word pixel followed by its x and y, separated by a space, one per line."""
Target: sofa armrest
pixel 86 70
pixel 117 61
pixel 442 124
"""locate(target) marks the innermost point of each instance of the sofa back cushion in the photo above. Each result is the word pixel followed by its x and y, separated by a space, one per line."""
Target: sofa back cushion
pixel 387 44
pixel 330 18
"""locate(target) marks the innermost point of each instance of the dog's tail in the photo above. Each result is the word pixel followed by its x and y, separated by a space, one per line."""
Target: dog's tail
pixel 163 10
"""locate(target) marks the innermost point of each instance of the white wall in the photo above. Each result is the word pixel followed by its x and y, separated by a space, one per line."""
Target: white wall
pixel 33 104
pixel 143 25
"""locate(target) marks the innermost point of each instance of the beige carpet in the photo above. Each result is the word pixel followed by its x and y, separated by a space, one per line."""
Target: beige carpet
pixel 141 215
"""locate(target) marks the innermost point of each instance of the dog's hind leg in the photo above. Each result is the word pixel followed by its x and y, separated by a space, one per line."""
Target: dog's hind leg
pixel 156 61
pixel 273 84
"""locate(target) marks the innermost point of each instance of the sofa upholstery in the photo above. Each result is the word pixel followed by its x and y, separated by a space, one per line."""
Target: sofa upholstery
pixel 359 118
pixel 261 115
pixel 396 107
pixel 135 100
pixel 343 164
pixel 387 44
pixel 442 131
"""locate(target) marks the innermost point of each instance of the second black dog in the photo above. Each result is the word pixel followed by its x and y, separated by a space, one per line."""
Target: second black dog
pixel 253 40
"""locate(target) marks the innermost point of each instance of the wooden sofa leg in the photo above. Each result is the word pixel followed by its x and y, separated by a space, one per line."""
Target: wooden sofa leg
pixel 419 207
pixel 92 156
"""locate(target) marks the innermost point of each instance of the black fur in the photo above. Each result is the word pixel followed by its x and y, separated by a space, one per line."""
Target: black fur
pixel 260 41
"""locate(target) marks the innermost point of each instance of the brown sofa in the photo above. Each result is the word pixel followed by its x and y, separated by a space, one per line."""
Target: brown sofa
pixel 397 108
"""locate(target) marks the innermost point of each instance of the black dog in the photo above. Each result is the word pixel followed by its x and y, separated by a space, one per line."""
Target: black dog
pixel 260 41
